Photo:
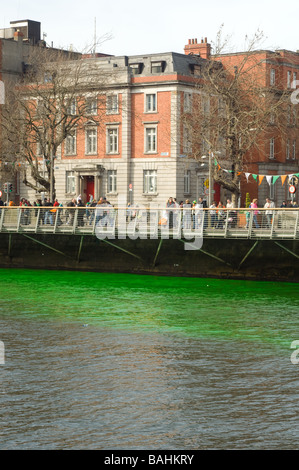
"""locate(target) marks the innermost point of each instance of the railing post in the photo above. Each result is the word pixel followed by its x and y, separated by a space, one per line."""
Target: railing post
pixel 296 223
pixel 2 217
pixel 37 220
pixel 19 218
pixel 226 223
pixel 272 224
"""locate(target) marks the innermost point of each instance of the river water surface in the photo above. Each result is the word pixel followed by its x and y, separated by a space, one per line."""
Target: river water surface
pixel 117 361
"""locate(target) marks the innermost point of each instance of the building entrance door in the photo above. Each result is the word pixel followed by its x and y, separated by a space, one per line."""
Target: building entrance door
pixel 89 188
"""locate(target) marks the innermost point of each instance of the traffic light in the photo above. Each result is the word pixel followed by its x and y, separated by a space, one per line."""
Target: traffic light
pixel 10 187
pixel 5 187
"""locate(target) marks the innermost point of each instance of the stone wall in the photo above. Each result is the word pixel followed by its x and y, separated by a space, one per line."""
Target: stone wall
pixel 227 259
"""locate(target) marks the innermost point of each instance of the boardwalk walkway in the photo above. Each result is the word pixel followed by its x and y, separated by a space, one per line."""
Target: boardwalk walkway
pixel 110 222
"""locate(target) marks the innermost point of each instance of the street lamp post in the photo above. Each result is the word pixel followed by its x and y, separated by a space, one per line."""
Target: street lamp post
pixel 210 168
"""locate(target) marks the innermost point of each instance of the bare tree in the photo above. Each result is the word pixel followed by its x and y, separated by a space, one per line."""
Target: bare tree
pixel 233 110
pixel 53 99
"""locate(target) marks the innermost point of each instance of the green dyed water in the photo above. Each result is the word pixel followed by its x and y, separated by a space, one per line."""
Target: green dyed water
pixel 266 312
pixel 125 361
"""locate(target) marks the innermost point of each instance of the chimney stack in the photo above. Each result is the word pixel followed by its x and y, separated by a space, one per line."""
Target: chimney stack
pixel 203 49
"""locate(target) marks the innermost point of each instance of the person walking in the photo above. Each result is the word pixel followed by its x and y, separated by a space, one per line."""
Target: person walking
pixel 253 205
pixel 269 212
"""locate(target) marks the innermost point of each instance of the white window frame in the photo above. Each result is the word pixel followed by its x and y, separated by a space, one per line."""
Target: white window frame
pixel 91 141
pixel 112 140
pixel 289 79
pixel 150 103
pixel 272 77
pixel 149 181
pixel 91 106
pixel 294 76
pixel 272 191
pixel 111 181
pixel 150 139
pixel 187 141
pixel 205 104
pixel 187 182
pixel 72 107
pixel 70 143
pixel 272 149
pixel 70 182
pixel 112 103
pixel 294 150
pixel 187 102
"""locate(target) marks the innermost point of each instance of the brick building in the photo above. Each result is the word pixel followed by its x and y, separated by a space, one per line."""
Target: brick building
pixel 137 149
pixel 277 152
pixel 134 149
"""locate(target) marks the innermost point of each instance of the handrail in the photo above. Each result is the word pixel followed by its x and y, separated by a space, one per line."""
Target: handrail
pixel 153 222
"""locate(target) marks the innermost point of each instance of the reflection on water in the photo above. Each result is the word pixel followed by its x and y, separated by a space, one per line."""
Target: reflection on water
pixel 103 361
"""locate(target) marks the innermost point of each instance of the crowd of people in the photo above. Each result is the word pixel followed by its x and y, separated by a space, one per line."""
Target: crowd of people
pixel 193 215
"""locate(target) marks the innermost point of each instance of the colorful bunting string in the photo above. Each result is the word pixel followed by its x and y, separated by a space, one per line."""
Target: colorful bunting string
pixel 271 179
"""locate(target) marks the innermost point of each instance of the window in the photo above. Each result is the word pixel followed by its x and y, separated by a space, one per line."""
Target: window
pixel 70 182
pixel 91 141
pixel 205 104
pixel 187 181
pixel 272 118
pixel 195 69
pixel 221 107
pixel 289 75
pixel 91 106
pixel 151 103
pixel 112 140
pixel 136 69
pixel 294 149
pixel 112 180
pixel 272 154
pixel 272 191
pixel 40 109
pixel 72 108
pixel 70 147
pixel 149 181
pixel 294 79
pixel 112 104
pixel 272 76
pixel 151 140
pixel 158 67
pixel 48 78
pixel 187 102
pixel 187 148
pixel 38 148
pixel 288 149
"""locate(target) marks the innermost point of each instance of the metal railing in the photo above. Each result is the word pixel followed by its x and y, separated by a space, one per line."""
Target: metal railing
pixel 136 222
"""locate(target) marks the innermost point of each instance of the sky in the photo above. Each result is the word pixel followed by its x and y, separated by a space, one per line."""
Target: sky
pixel 131 27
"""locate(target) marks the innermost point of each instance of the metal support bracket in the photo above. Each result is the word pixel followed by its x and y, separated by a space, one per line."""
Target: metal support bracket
pixel 288 250
pixel 119 248
pixel 44 244
pixel 247 254
pixel 157 252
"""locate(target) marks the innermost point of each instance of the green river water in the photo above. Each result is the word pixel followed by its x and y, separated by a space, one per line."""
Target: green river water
pixel 119 361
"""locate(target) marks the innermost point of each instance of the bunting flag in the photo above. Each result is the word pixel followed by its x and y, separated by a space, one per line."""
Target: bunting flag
pixel 271 179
